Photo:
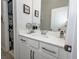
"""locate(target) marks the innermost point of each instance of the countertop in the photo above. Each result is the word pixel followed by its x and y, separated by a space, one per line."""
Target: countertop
pixel 49 38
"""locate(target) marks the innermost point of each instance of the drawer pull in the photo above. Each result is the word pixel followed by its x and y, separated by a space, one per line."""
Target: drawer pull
pixel 49 50
pixel 23 40
pixel 30 54
pixel 33 54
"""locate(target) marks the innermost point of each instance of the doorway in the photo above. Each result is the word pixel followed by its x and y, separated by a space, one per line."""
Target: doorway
pixel 10 25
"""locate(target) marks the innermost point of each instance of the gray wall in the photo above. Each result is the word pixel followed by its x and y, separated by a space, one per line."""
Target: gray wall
pixel 46 6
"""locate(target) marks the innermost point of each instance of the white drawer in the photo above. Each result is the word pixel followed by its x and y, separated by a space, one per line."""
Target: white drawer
pixel 22 40
pixel 49 49
pixel 33 43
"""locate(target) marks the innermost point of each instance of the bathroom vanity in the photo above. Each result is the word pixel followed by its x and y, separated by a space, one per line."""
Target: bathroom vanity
pixel 38 46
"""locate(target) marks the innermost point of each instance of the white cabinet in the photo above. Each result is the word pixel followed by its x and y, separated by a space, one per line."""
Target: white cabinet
pixel 24 52
pixel 47 51
pixel 26 49
pixel 39 54
pixel 33 49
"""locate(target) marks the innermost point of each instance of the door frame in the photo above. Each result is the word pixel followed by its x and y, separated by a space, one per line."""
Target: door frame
pixel 15 29
pixel 5 21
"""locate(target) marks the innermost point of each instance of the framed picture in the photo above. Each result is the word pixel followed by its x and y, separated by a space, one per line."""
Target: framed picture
pixel 36 13
pixel 26 9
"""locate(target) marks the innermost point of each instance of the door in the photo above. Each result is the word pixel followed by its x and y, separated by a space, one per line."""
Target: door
pixel 25 52
pixel 71 29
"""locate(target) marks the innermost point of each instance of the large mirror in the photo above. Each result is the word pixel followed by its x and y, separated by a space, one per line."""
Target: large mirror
pixel 53 14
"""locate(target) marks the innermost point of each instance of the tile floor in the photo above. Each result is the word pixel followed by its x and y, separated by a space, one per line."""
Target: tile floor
pixel 6 55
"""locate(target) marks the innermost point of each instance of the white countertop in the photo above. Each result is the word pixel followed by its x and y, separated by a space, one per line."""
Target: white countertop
pixel 49 38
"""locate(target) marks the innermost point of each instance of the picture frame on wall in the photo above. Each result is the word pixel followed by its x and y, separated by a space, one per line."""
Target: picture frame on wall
pixel 36 13
pixel 26 9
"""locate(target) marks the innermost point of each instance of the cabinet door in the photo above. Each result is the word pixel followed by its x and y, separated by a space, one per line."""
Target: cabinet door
pixel 42 55
pixel 24 52
pixel 63 54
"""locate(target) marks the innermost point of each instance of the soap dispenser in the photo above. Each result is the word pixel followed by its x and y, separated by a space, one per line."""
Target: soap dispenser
pixel 61 34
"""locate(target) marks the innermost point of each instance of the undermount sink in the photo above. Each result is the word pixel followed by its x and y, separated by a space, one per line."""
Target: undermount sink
pixel 49 34
pixel 53 34
pixel 38 34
